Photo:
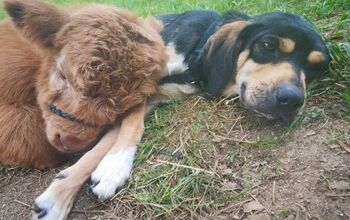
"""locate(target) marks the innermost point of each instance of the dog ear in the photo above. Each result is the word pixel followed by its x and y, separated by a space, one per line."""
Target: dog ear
pixel 218 57
pixel 37 21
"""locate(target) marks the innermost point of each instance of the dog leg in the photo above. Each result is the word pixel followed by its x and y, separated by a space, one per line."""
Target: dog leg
pixel 120 146
pixel 115 168
pixel 57 200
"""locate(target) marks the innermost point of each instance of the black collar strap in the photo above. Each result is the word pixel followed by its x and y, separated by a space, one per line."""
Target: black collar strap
pixel 53 108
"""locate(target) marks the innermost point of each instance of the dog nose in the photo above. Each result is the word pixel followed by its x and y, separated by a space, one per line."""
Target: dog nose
pixel 289 98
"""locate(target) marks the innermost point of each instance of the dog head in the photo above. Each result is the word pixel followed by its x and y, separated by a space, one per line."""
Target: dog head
pixel 98 62
pixel 267 61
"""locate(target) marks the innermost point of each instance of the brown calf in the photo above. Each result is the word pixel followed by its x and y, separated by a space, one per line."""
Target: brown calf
pixel 65 76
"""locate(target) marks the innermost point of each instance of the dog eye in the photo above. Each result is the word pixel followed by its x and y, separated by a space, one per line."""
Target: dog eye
pixel 269 45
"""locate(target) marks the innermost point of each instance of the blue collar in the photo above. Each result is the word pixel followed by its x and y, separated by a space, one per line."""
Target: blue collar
pixel 53 108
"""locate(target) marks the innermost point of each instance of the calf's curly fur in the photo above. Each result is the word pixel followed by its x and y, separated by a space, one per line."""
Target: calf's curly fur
pixel 95 62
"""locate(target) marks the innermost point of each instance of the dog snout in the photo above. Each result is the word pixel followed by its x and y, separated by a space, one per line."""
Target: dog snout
pixel 288 98
pixel 288 101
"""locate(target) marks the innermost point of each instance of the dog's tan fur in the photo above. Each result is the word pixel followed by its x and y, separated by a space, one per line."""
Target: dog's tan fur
pixel 95 62
pixel 315 57
pixel 287 45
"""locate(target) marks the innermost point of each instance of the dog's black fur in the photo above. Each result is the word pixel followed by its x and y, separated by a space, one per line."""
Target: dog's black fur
pixel 212 46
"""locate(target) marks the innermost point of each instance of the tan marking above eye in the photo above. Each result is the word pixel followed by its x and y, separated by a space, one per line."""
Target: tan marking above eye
pixel 287 45
pixel 315 57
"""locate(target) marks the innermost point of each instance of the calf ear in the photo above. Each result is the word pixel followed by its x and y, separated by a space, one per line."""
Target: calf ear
pixel 219 62
pixel 37 21
pixel 154 23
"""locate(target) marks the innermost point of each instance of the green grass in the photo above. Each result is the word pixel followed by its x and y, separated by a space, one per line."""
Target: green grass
pixel 316 9
pixel 198 132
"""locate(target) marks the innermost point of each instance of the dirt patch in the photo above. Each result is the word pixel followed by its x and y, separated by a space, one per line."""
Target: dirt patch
pixel 18 187
pixel 314 175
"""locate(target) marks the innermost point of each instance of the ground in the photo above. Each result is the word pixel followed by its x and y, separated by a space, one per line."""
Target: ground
pixel 203 159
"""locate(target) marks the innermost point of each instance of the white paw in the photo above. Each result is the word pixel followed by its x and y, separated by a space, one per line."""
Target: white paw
pixel 112 172
pixel 57 200
pixel 47 207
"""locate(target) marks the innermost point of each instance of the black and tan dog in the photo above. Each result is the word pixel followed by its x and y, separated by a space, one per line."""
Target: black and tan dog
pixel 266 60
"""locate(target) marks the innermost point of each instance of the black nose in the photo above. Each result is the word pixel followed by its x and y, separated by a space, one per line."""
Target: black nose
pixel 288 98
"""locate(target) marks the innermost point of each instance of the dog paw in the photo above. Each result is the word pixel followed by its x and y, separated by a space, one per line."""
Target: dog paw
pixel 56 202
pixel 112 173
pixel 47 207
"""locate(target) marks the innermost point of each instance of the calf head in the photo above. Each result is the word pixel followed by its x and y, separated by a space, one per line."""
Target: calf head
pixel 98 62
